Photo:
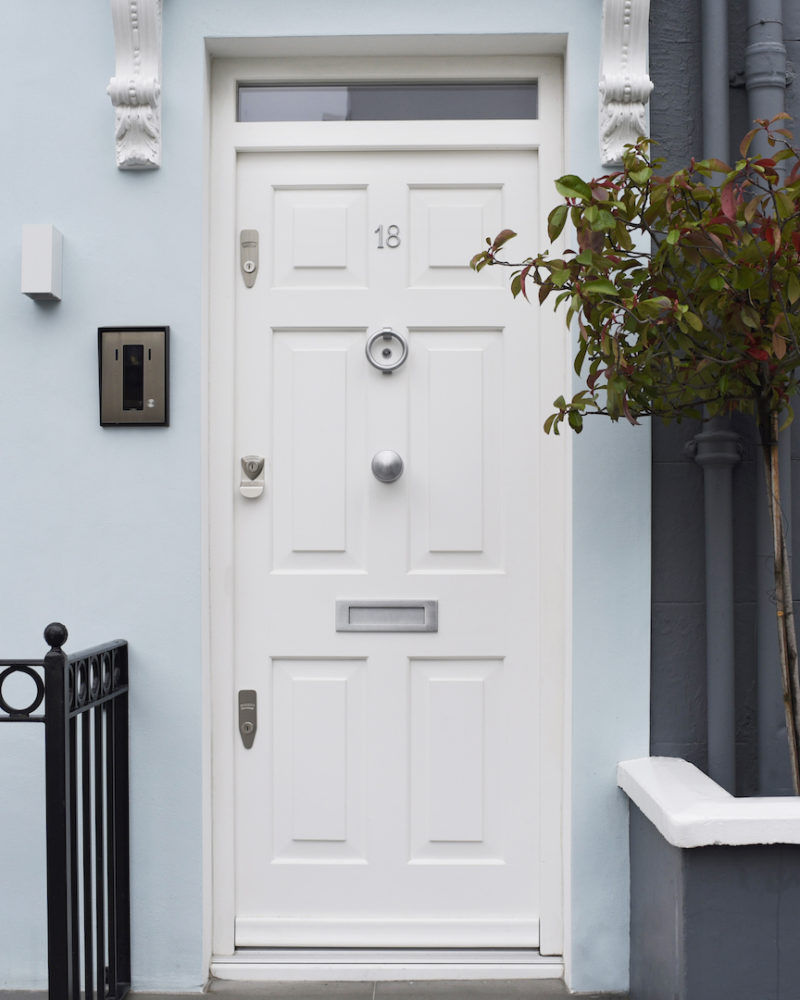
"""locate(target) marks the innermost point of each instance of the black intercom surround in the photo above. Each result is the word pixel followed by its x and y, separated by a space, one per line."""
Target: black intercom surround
pixel 134 376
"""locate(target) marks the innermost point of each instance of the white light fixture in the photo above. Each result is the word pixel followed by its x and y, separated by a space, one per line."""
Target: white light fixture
pixel 41 262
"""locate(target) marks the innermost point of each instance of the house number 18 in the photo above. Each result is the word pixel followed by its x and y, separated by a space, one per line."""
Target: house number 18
pixel 391 239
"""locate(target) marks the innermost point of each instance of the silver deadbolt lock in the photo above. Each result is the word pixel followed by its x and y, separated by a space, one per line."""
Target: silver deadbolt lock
pixel 252 484
pixel 387 350
pixel 248 717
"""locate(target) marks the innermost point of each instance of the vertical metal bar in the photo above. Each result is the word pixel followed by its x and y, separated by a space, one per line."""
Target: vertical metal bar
pixel 111 853
pixel 57 793
pixel 99 858
pixel 86 860
pixel 121 823
pixel 74 883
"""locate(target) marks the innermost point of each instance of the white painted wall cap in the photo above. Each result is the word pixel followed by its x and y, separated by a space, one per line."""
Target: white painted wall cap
pixel 691 810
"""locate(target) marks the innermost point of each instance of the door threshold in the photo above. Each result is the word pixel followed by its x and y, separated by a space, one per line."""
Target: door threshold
pixel 383 965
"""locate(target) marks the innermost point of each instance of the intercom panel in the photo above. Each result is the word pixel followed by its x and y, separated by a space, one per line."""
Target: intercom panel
pixel 134 375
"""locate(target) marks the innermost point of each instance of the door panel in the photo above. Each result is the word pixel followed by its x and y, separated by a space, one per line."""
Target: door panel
pixel 392 795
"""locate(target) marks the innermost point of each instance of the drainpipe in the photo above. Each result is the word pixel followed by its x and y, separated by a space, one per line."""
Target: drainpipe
pixel 716 83
pixel 717 449
pixel 765 79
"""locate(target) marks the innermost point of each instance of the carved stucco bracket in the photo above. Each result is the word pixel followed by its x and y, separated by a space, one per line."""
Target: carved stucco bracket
pixel 135 88
pixel 624 84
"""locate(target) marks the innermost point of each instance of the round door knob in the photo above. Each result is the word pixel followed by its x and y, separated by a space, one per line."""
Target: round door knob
pixel 387 466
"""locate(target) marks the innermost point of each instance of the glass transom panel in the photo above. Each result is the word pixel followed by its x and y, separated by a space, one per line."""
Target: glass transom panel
pixel 514 100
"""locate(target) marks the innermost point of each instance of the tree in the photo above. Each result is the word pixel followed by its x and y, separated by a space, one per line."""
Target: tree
pixel 685 292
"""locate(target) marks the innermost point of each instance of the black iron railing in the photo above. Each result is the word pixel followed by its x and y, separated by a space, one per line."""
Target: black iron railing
pixel 85 699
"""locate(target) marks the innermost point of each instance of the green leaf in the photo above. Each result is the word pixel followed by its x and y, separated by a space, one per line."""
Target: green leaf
pixel 556 221
pixel 604 221
pixel 575 421
pixel 642 175
pixel 654 306
pixel 750 318
pixel 694 321
pixel 570 186
pixel 601 286
pixel 559 276
pixel 673 236
pixel 793 288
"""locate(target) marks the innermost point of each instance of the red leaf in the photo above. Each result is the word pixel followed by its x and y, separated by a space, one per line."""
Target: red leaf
pixel 502 237
pixel 728 201
pixel 523 278
pixel 745 143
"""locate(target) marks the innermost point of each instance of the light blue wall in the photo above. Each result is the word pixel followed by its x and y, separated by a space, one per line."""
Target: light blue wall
pixel 101 528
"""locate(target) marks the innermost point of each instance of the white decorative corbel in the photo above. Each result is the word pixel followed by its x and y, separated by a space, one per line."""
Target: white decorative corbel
pixel 135 88
pixel 624 84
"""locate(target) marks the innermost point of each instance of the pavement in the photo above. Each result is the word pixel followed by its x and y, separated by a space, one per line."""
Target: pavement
pixel 496 989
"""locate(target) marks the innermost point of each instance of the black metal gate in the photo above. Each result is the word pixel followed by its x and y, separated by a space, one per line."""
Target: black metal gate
pixel 85 698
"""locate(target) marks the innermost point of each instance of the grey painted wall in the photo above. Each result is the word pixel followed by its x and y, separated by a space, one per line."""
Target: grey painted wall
pixel 713 923
pixel 678 686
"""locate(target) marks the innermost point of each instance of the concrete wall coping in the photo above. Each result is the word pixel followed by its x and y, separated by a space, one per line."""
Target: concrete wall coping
pixel 691 810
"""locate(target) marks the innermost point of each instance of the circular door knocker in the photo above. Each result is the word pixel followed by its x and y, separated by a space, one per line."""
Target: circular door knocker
pixel 387 350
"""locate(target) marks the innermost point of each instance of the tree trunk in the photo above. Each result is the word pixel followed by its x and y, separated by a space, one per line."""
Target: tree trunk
pixel 787 636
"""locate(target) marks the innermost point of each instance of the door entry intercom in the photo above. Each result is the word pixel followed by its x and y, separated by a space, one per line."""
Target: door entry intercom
pixel 134 375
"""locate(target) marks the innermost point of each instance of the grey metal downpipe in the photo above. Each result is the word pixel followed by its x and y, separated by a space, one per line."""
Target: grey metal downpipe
pixel 765 61
pixel 717 449
pixel 765 79
pixel 716 81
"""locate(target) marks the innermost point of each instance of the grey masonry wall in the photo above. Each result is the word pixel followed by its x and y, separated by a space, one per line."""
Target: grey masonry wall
pixel 678 684
pixel 713 923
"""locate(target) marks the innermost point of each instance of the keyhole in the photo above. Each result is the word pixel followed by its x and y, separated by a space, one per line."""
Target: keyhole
pixel 387 352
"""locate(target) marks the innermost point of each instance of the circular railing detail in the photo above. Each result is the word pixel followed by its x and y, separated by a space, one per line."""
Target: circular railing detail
pixel 38 698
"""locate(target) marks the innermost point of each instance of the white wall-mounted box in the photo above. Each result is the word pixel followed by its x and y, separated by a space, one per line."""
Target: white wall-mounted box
pixel 41 262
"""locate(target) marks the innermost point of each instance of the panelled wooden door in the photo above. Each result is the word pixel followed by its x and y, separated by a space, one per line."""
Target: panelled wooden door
pixel 391 797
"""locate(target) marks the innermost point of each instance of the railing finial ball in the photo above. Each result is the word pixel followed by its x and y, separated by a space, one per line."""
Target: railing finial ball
pixel 56 635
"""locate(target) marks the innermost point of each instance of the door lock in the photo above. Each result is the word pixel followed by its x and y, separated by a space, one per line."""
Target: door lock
pixel 248 717
pixel 248 255
pixel 252 482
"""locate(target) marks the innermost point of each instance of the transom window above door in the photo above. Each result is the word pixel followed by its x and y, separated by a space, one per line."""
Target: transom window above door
pixel 511 100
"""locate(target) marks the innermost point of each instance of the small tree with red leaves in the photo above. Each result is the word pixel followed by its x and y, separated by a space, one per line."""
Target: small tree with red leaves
pixel 684 291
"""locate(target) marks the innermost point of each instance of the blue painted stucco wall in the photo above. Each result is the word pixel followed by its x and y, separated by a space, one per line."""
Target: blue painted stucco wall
pixel 103 528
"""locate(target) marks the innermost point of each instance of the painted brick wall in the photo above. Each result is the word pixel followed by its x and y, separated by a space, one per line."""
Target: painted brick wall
pixel 678 686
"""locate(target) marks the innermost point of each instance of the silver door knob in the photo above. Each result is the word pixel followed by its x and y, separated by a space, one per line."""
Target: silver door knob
pixel 387 466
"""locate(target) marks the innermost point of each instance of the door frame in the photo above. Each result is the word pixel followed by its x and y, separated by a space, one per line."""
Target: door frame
pixel 228 139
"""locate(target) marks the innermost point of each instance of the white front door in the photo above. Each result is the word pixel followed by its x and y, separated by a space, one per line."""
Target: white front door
pixel 393 795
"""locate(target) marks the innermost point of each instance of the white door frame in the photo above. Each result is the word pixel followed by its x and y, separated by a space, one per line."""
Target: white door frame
pixel 228 139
